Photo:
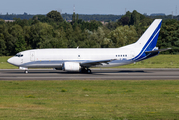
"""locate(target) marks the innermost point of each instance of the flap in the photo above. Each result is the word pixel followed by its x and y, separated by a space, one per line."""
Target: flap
pixel 97 62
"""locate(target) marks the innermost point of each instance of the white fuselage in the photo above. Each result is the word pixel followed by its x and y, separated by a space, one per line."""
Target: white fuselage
pixel 55 57
pixel 79 58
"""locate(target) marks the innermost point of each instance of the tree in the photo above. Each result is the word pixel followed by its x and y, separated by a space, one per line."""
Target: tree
pixel 56 16
pixel 97 39
pixel 2 21
pixel 15 39
pixel 169 36
pixel 20 44
pixel 73 18
pixel 125 20
pixel 39 33
pixel 2 45
pixel 135 18
pixel 123 35
pixel 41 18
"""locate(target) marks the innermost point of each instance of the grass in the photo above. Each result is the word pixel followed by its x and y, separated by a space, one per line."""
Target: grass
pixel 4 64
pixel 160 61
pixel 97 99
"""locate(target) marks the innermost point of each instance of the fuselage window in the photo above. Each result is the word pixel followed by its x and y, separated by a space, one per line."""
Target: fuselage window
pixel 78 55
pixel 121 55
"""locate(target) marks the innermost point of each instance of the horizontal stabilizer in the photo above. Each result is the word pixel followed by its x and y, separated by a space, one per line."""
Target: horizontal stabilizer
pixel 160 50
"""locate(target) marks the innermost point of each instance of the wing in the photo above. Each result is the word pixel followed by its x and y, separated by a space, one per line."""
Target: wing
pixel 93 63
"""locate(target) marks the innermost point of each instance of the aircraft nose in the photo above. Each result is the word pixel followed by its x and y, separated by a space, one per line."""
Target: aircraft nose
pixel 10 60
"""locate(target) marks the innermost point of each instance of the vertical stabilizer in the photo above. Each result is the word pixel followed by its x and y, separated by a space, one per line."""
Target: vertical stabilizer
pixel 149 39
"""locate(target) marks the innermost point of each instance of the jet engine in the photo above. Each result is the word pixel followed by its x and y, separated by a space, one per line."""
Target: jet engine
pixel 71 66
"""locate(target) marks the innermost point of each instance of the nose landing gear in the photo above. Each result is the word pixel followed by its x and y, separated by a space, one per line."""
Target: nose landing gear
pixel 25 69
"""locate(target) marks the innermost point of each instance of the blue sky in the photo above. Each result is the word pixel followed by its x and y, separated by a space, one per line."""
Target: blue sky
pixel 116 7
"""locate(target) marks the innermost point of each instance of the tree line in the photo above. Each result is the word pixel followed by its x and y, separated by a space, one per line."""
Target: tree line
pixel 66 16
pixel 52 31
pixel 86 17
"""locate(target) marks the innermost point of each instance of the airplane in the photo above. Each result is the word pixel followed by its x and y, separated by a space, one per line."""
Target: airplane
pixel 81 59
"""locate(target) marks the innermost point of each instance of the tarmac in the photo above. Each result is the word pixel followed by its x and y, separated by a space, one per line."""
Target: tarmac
pixel 97 74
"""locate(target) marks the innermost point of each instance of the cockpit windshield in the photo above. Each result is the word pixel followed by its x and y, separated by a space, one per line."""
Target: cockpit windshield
pixel 19 55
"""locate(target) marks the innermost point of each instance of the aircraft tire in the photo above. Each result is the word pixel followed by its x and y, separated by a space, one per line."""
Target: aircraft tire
pixel 88 71
pixel 26 71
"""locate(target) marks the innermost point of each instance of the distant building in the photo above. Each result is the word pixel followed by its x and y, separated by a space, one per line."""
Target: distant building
pixel 157 14
pixel 9 20
pixel 104 23
pixel 25 13
pixel 69 20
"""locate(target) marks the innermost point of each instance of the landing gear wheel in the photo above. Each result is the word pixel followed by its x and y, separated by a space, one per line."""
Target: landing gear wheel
pixel 26 71
pixel 85 70
pixel 88 71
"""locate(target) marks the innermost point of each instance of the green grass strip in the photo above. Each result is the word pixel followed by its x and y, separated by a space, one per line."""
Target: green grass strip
pixel 96 99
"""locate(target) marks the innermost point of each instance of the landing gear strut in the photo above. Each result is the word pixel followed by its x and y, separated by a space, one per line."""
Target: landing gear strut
pixel 85 70
pixel 25 69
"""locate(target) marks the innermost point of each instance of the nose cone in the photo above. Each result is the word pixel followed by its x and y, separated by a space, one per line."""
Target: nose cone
pixel 10 60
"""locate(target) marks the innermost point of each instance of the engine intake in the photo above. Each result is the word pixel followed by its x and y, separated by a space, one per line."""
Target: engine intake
pixel 71 66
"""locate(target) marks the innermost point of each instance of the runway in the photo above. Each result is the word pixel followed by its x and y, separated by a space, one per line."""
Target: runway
pixel 97 74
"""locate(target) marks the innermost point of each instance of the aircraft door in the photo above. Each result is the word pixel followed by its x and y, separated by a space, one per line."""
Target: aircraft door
pixel 32 56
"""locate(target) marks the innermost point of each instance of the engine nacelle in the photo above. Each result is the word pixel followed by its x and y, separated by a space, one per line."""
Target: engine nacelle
pixel 71 66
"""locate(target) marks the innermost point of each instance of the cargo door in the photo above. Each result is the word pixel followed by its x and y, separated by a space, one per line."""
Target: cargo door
pixel 32 56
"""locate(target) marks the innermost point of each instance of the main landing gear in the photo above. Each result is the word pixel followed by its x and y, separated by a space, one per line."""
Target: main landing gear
pixel 26 71
pixel 85 70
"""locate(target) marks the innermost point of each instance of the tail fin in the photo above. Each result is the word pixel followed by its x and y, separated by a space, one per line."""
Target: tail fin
pixel 149 39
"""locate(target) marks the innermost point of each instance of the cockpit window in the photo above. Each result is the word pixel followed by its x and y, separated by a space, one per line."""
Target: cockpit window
pixel 19 55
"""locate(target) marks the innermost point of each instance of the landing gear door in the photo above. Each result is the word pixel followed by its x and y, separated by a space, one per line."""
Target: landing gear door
pixel 32 56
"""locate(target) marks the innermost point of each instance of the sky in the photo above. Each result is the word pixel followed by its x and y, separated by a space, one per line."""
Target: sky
pixel 116 7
